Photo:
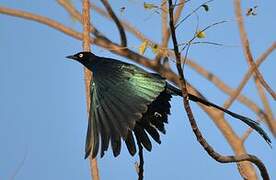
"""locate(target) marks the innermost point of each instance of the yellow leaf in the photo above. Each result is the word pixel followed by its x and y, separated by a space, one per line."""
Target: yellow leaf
pixel 149 6
pixel 143 47
pixel 155 48
pixel 200 34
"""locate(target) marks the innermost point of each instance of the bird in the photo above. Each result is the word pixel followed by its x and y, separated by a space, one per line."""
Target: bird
pixel 131 104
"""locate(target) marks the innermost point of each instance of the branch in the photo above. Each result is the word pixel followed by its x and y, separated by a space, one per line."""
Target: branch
pixel 117 22
pixel 41 19
pixel 126 25
pixel 271 123
pixel 247 51
pixel 166 30
pixel 200 138
pixel 194 11
pixel 76 14
pixel 87 74
pixel 247 76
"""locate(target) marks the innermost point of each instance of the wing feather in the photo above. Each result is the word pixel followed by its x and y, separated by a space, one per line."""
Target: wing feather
pixel 120 95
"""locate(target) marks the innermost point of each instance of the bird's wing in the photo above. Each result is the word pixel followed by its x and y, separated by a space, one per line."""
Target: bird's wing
pixel 119 97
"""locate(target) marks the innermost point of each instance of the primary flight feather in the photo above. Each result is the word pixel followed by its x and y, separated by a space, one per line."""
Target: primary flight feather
pixel 128 102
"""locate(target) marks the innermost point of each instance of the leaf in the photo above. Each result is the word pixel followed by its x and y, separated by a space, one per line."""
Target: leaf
pixel 149 6
pixel 200 34
pixel 155 48
pixel 206 7
pixel 143 47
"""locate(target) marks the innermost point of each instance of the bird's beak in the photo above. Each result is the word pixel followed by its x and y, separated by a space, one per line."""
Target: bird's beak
pixel 71 57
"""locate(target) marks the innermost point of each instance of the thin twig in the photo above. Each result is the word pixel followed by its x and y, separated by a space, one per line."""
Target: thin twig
pixel 200 138
pixel 77 15
pixel 194 11
pixel 175 20
pixel 20 165
pixel 166 30
pixel 271 121
pixel 126 25
pixel 246 134
pixel 117 22
pixel 247 76
pixel 87 75
pixel 246 48
pixel 41 19
pixel 201 31
pixel 202 42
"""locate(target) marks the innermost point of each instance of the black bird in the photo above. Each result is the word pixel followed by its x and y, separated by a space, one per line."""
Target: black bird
pixel 127 100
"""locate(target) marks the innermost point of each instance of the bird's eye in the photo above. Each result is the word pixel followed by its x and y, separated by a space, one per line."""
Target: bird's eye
pixel 81 55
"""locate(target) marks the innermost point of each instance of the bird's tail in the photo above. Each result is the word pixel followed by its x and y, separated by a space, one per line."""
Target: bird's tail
pixel 253 124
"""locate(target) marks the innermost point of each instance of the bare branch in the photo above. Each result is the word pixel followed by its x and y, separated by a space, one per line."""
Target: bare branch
pixel 86 26
pixel 271 123
pixel 194 11
pixel 117 22
pixel 125 24
pixel 87 74
pixel 166 30
pixel 41 19
pixel 200 138
pixel 246 48
pixel 76 14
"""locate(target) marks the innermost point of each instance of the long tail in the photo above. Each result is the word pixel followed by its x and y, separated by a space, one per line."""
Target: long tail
pixel 253 124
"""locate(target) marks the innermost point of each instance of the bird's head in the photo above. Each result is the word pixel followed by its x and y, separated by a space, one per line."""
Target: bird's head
pixel 81 56
pixel 86 58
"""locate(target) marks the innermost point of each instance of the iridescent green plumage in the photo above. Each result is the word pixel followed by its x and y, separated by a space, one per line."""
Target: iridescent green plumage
pixel 121 94
pixel 127 100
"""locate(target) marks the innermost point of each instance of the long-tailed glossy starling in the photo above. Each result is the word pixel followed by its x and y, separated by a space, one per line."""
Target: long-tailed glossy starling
pixel 126 100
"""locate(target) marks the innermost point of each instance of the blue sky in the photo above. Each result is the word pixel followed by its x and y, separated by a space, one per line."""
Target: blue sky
pixel 43 116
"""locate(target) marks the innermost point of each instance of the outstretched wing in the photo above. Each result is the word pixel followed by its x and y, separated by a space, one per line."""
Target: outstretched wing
pixel 119 97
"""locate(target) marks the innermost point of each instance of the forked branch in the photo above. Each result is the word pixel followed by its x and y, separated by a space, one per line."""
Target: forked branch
pixel 199 136
pixel 247 51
